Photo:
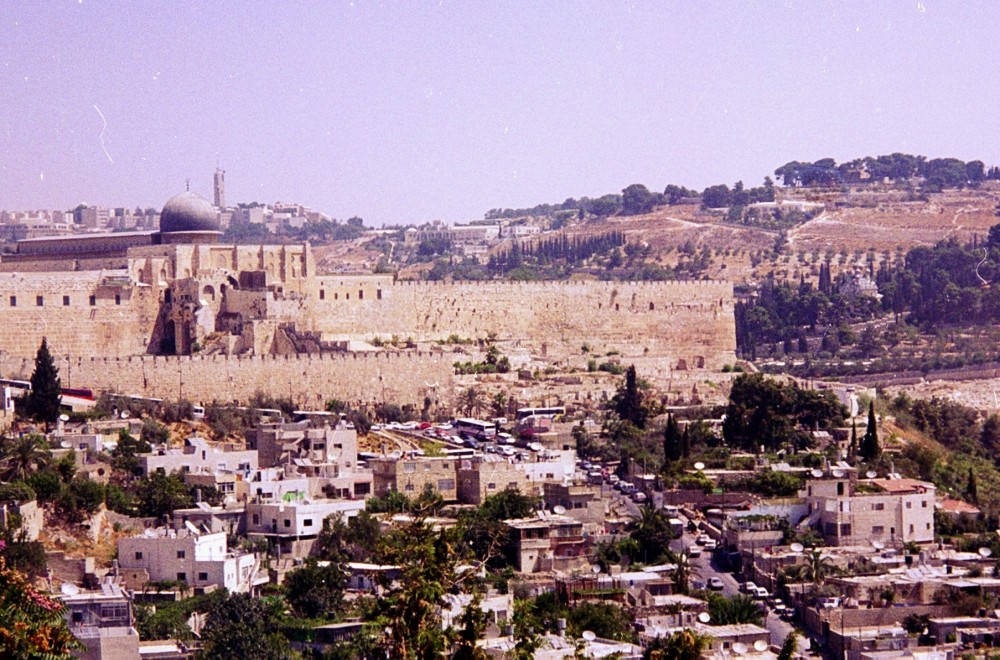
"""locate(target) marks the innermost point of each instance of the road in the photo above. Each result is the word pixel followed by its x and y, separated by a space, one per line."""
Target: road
pixel 706 566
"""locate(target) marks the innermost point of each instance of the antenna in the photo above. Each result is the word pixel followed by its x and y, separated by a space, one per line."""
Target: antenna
pixel 69 589
pixel 187 185
pixel 739 648
pixel 871 474
pixel 704 617
pixel 817 473
pixel 589 635
pixel 798 547
pixel 760 646
pixel 558 509
pixel 985 552
pixel 595 569
pixel 699 466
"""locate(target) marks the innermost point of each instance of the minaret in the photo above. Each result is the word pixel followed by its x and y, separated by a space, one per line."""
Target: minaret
pixel 220 188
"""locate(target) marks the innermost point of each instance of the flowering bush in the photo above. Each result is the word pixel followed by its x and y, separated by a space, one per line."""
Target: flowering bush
pixel 31 623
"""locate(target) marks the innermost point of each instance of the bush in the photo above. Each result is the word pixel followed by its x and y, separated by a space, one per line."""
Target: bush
pixel 17 491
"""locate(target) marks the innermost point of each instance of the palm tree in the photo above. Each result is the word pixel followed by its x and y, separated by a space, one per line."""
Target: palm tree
pixel 682 645
pixel 818 566
pixel 472 401
pixel 682 574
pixel 24 455
pixel 652 532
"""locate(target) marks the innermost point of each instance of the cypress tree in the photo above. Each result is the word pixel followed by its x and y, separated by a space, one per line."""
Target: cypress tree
pixel 44 398
pixel 686 441
pixel 852 449
pixel 972 489
pixel 673 447
pixel 869 448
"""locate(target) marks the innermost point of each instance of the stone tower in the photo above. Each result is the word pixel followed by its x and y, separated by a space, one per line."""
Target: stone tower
pixel 220 188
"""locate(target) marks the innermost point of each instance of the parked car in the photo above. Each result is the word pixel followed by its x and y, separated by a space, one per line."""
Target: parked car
pixel 639 497
pixel 711 544
pixel 694 551
pixel 701 539
pixel 715 584
pixel 698 585
pixel 761 593
pixel 748 588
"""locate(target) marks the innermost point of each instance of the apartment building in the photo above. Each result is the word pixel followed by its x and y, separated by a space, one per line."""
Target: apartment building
pixel 199 560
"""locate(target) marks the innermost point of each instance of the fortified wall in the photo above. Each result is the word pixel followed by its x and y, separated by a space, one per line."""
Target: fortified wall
pixel 689 323
pixel 405 377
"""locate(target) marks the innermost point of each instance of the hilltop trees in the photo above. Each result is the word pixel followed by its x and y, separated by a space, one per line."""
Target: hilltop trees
pixel 627 402
pixel 43 400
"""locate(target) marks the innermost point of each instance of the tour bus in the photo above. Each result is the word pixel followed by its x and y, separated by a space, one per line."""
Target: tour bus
pixel 554 412
pixel 475 428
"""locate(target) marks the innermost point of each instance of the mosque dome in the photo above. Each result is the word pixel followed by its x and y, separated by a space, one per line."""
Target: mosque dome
pixel 188 212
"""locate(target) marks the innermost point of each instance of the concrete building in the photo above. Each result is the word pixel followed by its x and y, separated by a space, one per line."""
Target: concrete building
pixel 200 560
pixel 103 622
pixel 857 512
pixel 411 474
pixel 295 525
pixel 327 456
pixel 198 457
pixel 548 542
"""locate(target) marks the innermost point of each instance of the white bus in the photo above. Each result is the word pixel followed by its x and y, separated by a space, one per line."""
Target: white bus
pixel 553 412
pixel 475 428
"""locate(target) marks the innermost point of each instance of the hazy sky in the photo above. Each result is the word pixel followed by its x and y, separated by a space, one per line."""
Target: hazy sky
pixel 412 111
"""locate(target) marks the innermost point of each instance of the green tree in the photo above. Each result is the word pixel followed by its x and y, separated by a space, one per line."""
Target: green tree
pixel 789 647
pixel 628 403
pixel 245 627
pixel 869 448
pixel 606 620
pixel 673 442
pixel 160 494
pixel 817 566
pixel 652 533
pixel 473 622
pixel 314 590
pixel 472 401
pixel 682 645
pixel 42 402
pixel 23 456
pixel 971 488
pixel 736 609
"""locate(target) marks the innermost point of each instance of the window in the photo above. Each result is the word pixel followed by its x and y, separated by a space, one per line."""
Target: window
pixel 409 488
pixel 118 298
pixel 182 577
pixel 256 519
pixel 138 555
pixel 909 505
pixel 409 467
pixel 446 484
pixel 307 522
pixel 322 294
pixel 93 300
pixel 336 296
pixel 878 530
pixel 181 554
pixel 40 301
pixel 928 525
pixel 491 486
pixel 288 523
pixel 840 488
pixel 13 301
pixel 378 294
pixel 65 301
pixel 911 529
pixel 845 529
pixel 361 294
pixel 923 504
pixel 202 577
pixel 878 506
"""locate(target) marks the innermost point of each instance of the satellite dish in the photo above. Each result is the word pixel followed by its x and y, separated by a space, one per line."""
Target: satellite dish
pixel 739 648
pixel 985 552
pixel 871 474
pixel 64 418
pixel 69 589
pixel 704 617
pixel 817 473
pixel 839 474
pixel 699 466
pixel 124 414
pixel 595 569
pixel 559 509
pixel 589 635
pixel 65 444
pixel 760 646
pixel 878 545
pixel 798 547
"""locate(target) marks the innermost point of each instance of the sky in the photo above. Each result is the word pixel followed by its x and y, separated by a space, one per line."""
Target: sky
pixel 412 111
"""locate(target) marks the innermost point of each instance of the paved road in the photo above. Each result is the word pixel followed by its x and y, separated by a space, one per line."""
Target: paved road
pixel 706 566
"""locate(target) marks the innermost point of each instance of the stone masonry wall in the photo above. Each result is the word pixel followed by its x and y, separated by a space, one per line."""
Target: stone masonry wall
pixel 689 321
pixel 405 377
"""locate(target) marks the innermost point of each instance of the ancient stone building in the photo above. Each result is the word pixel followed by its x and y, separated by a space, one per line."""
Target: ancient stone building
pixel 260 317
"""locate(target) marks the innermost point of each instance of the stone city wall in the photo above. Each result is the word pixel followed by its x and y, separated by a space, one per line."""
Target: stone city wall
pixel 404 378
pixel 81 314
pixel 689 321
